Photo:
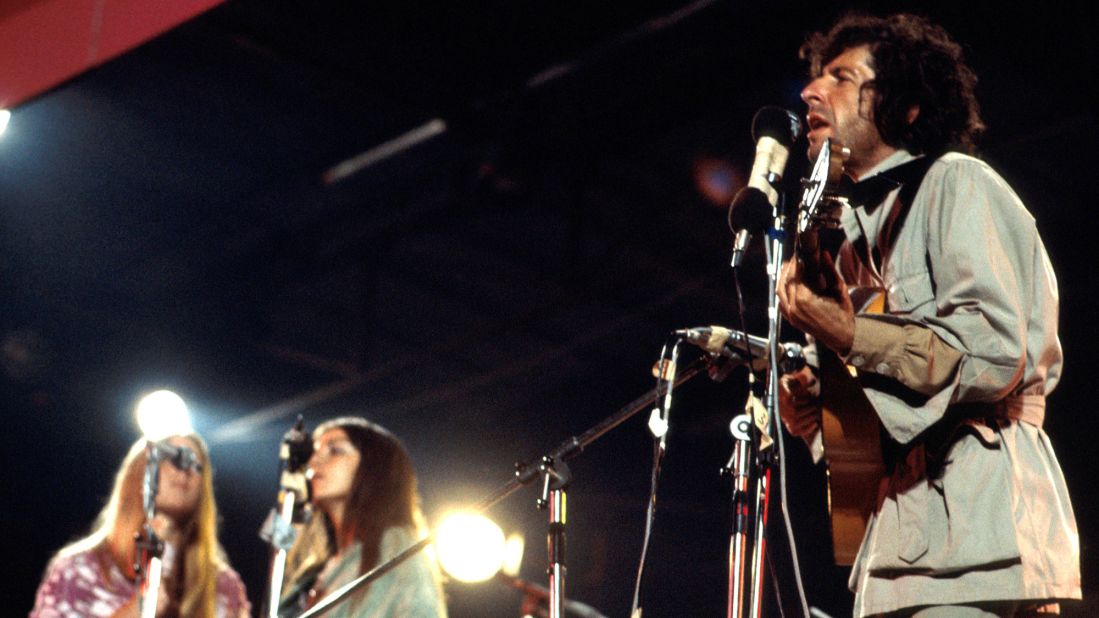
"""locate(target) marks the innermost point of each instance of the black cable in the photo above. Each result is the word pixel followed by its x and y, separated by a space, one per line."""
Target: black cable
pixel 664 368
pixel 650 517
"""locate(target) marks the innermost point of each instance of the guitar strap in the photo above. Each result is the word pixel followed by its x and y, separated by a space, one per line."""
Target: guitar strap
pixel 870 193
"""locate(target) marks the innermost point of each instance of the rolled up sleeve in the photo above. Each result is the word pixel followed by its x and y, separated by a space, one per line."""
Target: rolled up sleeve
pixel 910 353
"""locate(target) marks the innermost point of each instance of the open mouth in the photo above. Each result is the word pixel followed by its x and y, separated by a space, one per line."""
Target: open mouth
pixel 816 122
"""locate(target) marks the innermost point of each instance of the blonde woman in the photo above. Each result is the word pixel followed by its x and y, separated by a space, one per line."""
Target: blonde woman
pixel 366 511
pixel 94 576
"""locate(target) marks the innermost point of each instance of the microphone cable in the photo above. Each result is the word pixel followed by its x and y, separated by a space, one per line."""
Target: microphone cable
pixel 658 425
pixel 781 459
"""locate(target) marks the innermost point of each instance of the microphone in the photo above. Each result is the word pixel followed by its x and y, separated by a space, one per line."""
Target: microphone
pixel 296 447
pixel 736 345
pixel 182 457
pixel 294 453
pixel 774 130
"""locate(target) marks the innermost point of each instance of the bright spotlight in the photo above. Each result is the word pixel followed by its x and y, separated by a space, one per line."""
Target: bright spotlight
pixel 161 414
pixel 5 116
pixel 470 546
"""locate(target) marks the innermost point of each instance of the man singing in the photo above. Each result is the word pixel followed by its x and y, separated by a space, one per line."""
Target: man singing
pixel 973 517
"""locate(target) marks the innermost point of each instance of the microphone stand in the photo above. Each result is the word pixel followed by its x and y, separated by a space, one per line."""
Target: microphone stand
pixel 294 454
pixel 738 468
pixel 555 478
pixel 776 243
pixel 278 565
pixel 148 548
pixel 751 461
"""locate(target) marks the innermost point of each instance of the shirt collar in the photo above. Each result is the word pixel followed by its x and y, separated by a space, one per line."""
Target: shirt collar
pixel 862 217
pixel 899 157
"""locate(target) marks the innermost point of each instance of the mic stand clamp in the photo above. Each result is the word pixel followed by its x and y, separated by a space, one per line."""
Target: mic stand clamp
pixel 149 567
pixel 277 531
pixel 146 545
pixel 556 477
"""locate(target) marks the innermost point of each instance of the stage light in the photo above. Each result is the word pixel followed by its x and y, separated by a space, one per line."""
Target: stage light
pixel 161 414
pixel 470 546
pixel 5 116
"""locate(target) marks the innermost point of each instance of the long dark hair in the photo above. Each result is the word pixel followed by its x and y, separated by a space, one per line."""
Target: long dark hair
pixel 383 493
pixel 916 63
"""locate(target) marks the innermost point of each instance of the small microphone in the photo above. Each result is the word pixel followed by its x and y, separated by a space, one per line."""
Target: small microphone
pixel 295 452
pixel 182 457
pixel 296 447
pixel 737 345
pixel 774 130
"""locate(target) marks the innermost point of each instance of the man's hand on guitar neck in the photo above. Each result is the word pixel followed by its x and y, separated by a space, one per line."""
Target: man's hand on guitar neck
pixel 827 315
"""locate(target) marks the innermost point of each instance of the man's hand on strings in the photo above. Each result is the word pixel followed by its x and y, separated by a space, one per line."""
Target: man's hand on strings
pixel 827 315
pixel 799 403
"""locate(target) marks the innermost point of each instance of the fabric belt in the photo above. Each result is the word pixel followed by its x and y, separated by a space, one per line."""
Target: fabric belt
pixel 1025 408
pixel 1030 409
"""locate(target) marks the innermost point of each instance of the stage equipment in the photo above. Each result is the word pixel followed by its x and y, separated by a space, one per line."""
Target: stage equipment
pixel 739 346
pixel 150 551
pixel 758 446
pixel 775 130
pixel 555 476
pixel 278 530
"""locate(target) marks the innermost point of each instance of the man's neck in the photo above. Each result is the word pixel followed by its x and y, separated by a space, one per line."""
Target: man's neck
pixel 871 165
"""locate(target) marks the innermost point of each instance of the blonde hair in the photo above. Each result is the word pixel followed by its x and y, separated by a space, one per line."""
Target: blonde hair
pixel 202 556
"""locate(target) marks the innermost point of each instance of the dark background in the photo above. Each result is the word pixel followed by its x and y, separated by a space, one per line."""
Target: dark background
pixel 165 221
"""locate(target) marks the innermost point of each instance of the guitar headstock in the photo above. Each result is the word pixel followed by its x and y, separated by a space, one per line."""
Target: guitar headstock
pixel 819 200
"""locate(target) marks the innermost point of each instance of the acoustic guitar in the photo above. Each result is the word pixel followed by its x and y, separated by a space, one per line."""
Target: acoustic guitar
pixel 850 426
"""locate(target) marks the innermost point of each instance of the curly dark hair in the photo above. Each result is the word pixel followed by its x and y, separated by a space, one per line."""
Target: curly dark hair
pixel 916 63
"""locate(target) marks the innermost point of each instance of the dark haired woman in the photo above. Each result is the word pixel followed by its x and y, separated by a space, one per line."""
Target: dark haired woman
pixel 367 510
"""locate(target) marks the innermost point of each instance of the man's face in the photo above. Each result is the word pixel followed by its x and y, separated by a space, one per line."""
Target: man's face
pixel 842 109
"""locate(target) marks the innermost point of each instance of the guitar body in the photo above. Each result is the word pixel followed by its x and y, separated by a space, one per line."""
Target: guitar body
pixel 851 433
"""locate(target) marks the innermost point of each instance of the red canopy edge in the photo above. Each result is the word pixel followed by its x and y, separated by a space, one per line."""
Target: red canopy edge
pixel 43 43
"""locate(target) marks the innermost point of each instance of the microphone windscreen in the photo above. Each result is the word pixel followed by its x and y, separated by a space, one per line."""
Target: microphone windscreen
pixel 751 210
pixel 777 123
